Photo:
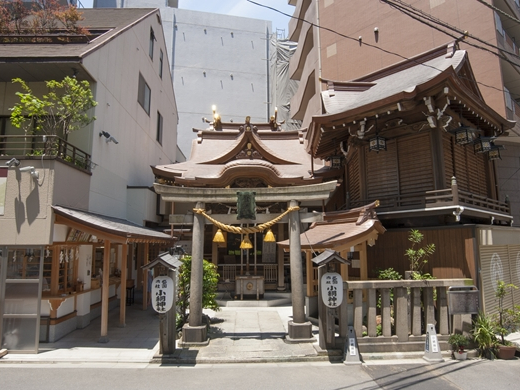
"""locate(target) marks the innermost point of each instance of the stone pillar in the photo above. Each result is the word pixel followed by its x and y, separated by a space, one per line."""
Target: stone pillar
pixel 280 255
pixel 195 332
pixel 299 329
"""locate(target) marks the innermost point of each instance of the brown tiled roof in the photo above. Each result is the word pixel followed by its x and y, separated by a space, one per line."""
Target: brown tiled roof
pixel 341 230
pixel 277 156
pixel 128 231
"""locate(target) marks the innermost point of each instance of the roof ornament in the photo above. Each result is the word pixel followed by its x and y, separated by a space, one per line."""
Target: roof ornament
pixel 217 122
pixel 275 126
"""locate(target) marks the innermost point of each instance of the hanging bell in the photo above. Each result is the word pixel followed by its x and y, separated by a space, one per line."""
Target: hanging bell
pixel 219 237
pixel 269 236
pixel 246 244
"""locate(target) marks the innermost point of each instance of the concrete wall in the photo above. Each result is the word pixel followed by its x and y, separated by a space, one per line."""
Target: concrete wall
pixel 116 67
pixel 233 53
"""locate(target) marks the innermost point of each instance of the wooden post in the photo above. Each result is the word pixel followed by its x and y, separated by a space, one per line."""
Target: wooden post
pixel 124 272
pixel 105 289
pixel 145 276
pixel 322 310
pixel 310 273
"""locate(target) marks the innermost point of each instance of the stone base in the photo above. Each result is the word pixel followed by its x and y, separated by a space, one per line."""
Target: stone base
pixel 194 336
pixel 300 333
pixel 3 352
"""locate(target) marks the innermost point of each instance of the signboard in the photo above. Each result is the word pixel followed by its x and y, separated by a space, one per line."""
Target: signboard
pixel 332 289
pixel 162 294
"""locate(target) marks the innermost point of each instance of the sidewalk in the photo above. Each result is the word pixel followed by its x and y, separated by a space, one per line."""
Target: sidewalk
pixel 238 335
pixel 241 334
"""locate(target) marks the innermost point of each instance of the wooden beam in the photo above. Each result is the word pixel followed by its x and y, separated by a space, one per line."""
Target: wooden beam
pixel 310 273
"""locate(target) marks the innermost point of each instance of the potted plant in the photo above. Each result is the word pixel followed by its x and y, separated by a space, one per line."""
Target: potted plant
pixel 506 322
pixel 484 335
pixel 458 342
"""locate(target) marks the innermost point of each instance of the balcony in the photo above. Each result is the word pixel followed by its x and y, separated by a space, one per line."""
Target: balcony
pixel 45 146
pixel 444 201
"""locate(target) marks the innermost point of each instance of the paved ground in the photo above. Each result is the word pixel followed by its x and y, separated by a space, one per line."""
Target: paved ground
pixel 239 335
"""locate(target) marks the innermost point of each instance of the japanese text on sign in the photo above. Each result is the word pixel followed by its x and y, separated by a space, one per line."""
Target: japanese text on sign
pixel 162 294
pixel 332 289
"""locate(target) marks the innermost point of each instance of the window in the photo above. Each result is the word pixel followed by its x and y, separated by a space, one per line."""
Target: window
pixel 152 39
pixel 160 63
pixel 498 24
pixel 144 94
pixel 159 127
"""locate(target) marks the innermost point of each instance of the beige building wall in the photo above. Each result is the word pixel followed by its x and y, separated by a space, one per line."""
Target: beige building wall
pixel 116 68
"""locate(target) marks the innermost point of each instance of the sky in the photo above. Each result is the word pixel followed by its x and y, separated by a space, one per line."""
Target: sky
pixel 238 8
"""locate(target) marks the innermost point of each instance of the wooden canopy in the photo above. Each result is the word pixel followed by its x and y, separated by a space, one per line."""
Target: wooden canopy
pixel 341 230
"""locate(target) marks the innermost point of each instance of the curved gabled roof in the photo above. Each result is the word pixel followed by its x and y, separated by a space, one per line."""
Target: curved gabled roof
pixel 443 74
pixel 242 152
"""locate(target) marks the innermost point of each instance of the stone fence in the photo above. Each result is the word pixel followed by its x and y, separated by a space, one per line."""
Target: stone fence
pixel 413 306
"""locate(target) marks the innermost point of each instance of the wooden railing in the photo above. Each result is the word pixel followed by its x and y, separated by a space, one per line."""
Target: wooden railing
pixel 21 146
pixel 436 198
pixel 401 319
pixel 229 272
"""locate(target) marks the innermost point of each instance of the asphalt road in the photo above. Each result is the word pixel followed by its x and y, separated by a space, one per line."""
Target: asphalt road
pixel 468 375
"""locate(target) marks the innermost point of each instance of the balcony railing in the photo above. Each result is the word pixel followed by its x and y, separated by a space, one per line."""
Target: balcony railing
pixel 452 196
pixel 49 146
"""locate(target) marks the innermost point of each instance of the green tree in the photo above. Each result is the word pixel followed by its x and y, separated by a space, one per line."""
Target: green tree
pixel 209 287
pixel 418 257
pixel 63 109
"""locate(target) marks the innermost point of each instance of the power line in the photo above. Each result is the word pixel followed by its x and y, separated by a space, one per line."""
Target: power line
pixel 499 10
pixel 405 8
pixel 458 39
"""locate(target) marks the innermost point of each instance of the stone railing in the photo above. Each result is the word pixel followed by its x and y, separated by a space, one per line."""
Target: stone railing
pixel 413 306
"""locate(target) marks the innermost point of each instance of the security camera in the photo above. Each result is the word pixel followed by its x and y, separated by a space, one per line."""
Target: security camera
pixel 27 169
pixel 12 162
pixel 111 138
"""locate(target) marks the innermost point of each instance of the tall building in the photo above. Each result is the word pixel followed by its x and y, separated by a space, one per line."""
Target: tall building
pixel 216 60
pixel 73 207
pixel 360 37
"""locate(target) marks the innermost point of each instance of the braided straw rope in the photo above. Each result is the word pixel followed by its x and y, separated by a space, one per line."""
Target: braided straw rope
pixel 245 230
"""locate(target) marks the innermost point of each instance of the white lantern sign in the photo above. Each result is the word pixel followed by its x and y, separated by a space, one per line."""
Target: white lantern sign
pixel 332 289
pixel 162 294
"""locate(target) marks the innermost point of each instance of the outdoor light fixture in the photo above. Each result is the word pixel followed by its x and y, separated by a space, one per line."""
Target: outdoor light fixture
pixel 465 135
pixel 246 243
pixel 219 237
pixel 269 236
pixel 108 137
pixel 483 144
pixel 34 173
pixel 12 162
pixel 376 144
pixel 335 162
pixel 494 153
